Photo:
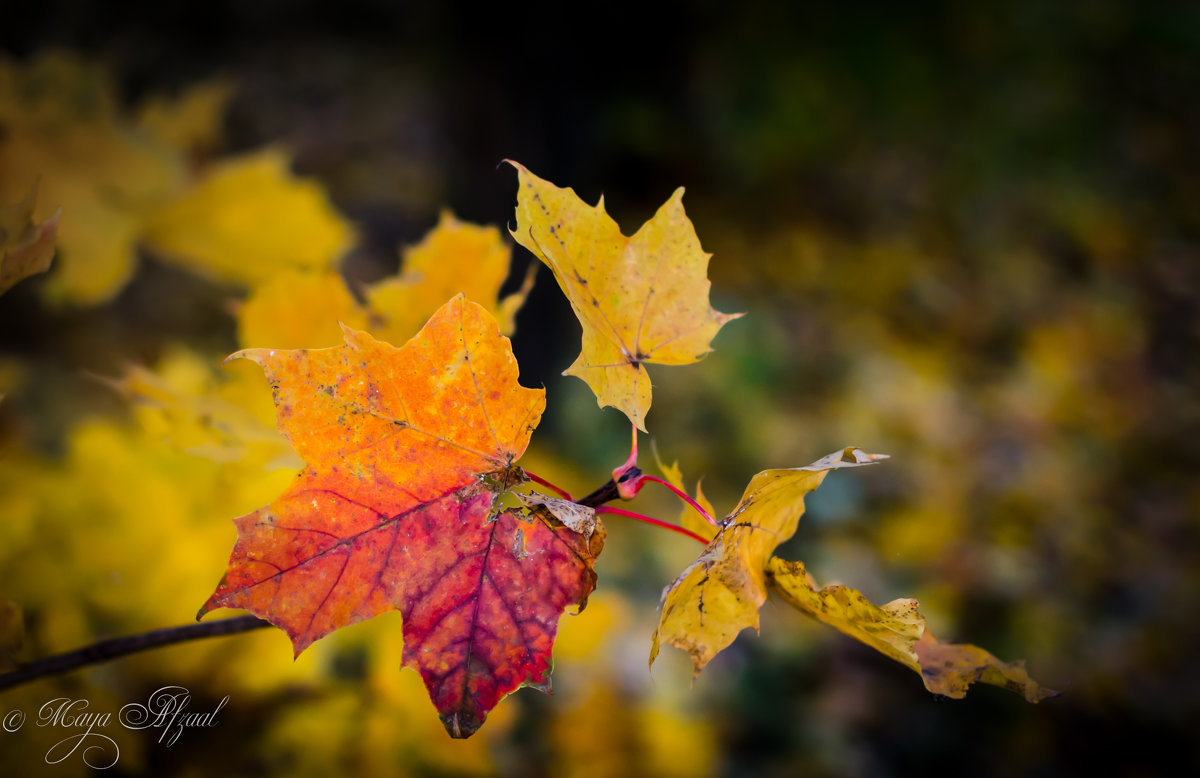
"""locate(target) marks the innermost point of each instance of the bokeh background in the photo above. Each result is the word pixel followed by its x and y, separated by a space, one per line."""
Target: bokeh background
pixel 965 235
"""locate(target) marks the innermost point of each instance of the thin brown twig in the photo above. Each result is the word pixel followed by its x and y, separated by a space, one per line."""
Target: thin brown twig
pixel 107 650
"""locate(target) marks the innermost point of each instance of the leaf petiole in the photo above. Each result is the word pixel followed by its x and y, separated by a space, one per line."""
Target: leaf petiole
pixel 655 522
pixel 627 485
pixel 537 479
pixel 681 495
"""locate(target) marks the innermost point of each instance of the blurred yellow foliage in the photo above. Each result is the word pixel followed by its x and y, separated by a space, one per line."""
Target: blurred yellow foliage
pixel 612 722
pixel 26 247
pixel 224 417
pixel 192 120
pixel 248 219
pixel 62 126
pixel 688 517
pixel 455 257
pixel 302 310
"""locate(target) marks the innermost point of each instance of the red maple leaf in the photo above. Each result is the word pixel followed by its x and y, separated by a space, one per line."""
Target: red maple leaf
pixel 406 451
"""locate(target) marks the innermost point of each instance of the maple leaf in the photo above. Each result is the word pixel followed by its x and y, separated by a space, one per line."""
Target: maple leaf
pixel 249 218
pixel 190 121
pixel 404 449
pixel 455 257
pixel 897 630
pixel 640 300
pixel 719 594
pixel 26 246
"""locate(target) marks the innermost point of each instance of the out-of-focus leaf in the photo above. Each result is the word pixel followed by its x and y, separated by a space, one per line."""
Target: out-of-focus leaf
pixel 191 121
pixel 719 595
pixel 26 247
pixel 454 258
pixel 61 125
pixel 300 310
pixel 248 219
pixel 688 517
pixel 182 401
pixel 641 299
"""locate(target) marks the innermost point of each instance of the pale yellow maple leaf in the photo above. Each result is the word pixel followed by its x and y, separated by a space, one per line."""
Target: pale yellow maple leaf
pixel 640 300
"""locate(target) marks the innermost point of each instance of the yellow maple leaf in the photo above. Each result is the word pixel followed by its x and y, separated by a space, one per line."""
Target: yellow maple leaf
pixel 26 246
pixel 719 594
pixel 248 219
pixel 455 257
pixel 640 300
pixel 891 629
pixel 897 630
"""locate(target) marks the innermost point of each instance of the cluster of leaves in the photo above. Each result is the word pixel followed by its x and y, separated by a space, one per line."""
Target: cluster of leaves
pixel 408 452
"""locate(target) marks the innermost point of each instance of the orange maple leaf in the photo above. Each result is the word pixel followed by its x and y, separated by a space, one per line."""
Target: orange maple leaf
pixel 640 300
pixel 406 451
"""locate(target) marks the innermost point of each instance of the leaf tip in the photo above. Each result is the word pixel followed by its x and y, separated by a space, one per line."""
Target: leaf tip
pixel 456 729
pixel 728 317
pixel 245 353
pixel 853 455
pixel 352 335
